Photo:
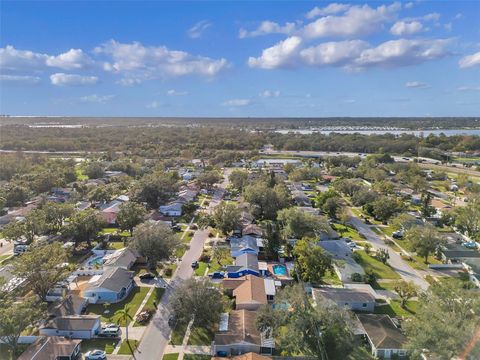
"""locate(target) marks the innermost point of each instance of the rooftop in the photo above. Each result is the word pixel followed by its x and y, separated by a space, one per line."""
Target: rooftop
pixel 48 348
pixel 382 332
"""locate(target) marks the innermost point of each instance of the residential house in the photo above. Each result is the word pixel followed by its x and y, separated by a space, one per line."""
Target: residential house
pixel 124 258
pixel 252 230
pixel 52 348
pixel 112 286
pixel 172 209
pixel 344 264
pixel 271 288
pixel 245 264
pixel 250 294
pixel 238 334
pixel 243 245
pixel 110 210
pixel 351 299
pixel 74 327
pixel 72 304
pixel 247 356
pixel 385 338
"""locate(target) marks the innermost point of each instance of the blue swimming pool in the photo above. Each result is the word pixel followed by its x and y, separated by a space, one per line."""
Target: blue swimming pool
pixel 96 261
pixel 279 270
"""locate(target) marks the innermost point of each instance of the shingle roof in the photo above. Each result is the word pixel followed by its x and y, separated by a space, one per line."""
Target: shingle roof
pixel 50 347
pixel 241 328
pixel 81 322
pixel 113 279
pixel 251 290
pixel 123 258
pixel 382 332
pixel 344 295
pixel 71 305
pixel 247 261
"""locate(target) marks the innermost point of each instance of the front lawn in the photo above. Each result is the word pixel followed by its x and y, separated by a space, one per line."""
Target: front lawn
pixel 201 336
pixel 178 334
pixel 180 250
pixel 134 299
pixel 128 348
pixel 347 231
pixel 107 345
pixel 154 298
pixel 173 356
pixel 331 278
pixel 200 270
pixel 197 357
pixel 4 257
pixel 381 270
pixel 395 310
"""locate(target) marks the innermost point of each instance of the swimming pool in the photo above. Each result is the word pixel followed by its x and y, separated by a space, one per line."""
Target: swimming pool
pixel 279 270
pixel 96 261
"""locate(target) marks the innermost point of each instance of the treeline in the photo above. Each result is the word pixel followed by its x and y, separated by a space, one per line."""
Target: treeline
pixel 412 123
pixel 219 142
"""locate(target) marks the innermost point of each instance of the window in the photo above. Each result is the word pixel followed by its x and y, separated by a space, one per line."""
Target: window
pixel 364 305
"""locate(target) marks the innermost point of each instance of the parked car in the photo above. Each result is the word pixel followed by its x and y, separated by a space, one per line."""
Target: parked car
pixel 147 276
pixel 172 320
pixel 397 234
pixel 144 316
pixel 217 275
pixel 195 265
pixel 368 222
pixel 95 355
pixel 110 332
pixel 111 326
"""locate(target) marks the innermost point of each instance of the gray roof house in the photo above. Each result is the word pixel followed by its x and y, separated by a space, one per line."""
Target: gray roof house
pixel 351 299
pixel 245 264
pixel 344 264
pixel 72 304
pixel 386 339
pixel 112 286
pixel 74 327
pixel 243 245
pixel 52 347
pixel 124 258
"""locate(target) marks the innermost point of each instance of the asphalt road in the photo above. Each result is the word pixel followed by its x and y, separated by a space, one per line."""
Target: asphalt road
pixel 157 334
pixel 396 262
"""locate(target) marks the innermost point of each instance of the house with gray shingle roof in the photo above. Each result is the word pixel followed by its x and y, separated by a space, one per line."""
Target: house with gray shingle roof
pixel 112 286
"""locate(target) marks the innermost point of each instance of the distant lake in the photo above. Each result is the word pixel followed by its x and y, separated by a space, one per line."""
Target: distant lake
pixel 382 131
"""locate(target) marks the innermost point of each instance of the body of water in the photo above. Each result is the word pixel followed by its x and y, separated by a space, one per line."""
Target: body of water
pixel 380 131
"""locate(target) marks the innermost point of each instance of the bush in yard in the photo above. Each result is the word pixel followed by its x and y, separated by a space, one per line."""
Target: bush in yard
pixel 356 277
pixel 368 248
pixel 356 257
pixel 370 277
pixel 205 258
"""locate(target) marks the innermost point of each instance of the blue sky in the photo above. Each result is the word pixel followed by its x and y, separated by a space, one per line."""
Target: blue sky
pixel 240 58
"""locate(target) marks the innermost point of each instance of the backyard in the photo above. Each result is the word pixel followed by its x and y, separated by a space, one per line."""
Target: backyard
pixel 395 310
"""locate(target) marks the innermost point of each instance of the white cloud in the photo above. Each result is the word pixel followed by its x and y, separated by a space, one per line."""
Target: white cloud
pixel 23 79
pixel 333 53
pixel 61 79
pixel 409 5
pixel 458 16
pixel 280 55
pixel 333 8
pixel 197 30
pixel 99 99
pixel 139 62
pixel 268 27
pixel 13 59
pixel 153 105
pixel 70 60
pixel 350 54
pixel 356 21
pixel 417 85
pixel 403 52
pixel 431 17
pixel 237 102
pixel 270 93
pixel 469 61
pixel 469 88
pixel 173 92
pixel 401 28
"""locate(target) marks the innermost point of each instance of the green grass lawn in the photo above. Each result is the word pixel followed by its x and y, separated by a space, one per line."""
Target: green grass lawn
pixel 168 270
pixel 107 345
pixel 178 334
pixel 384 285
pixel 225 259
pixel 347 231
pixel 196 357
pixel 5 351
pixel 379 269
pixel 202 267
pixel 154 298
pixel 4 257
pixel 134 299
pixel 180 250
pixel 79 173
pixel 170 356
pixel 331 279
pixel 201 336
pixel 394 308
pixel 109 230
pixel 128 348
pixel 116 245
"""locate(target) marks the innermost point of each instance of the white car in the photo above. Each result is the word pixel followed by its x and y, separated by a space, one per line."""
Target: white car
pixel 96 355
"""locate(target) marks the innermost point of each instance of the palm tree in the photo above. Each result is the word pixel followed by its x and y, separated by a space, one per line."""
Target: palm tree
pixel 125 316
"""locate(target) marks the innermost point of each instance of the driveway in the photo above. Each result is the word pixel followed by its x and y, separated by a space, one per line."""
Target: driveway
pixel 396 262
pixel 157 334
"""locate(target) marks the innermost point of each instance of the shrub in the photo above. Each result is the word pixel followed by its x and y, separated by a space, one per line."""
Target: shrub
pixel 356 277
